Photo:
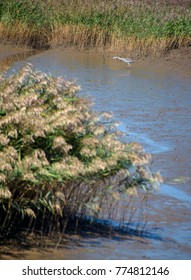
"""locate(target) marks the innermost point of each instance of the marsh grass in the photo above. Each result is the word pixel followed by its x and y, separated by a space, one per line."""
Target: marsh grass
pixel 58 159
pixel 122 26
pixel 23 34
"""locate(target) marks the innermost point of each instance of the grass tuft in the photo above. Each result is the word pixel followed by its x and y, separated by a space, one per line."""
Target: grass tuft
pixel 57 158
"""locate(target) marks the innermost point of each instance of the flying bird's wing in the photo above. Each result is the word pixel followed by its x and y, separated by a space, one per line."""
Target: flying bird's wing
pixel 126 60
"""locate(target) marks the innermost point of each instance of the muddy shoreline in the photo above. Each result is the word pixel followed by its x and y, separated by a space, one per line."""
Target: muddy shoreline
pixel 177 61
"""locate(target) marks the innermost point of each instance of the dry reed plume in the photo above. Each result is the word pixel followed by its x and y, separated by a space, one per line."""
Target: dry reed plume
pixel 57 158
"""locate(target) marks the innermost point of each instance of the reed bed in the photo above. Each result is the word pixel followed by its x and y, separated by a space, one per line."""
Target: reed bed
pixel 58 159
pixel 123 26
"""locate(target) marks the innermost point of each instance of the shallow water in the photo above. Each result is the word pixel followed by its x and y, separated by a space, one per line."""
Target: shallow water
pixel 153 107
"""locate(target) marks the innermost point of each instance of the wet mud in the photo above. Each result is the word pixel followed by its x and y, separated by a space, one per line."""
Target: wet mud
pixel 9 55
pixel 176 62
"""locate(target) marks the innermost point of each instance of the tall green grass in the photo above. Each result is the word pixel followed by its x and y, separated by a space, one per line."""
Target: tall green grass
pixel 115 23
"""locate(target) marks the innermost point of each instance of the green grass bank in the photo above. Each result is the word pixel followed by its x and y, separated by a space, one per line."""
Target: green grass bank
pixel 135 27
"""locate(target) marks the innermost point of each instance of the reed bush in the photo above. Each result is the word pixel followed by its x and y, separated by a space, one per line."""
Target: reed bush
pixel 57 157
pixel 153 26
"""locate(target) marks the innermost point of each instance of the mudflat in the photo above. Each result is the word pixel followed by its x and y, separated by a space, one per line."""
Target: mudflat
pixel 176 61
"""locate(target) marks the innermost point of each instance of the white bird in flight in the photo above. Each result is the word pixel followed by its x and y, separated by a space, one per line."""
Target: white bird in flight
pixel 126 60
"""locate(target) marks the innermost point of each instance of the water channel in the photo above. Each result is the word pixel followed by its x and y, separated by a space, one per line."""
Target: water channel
pixel 153 107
